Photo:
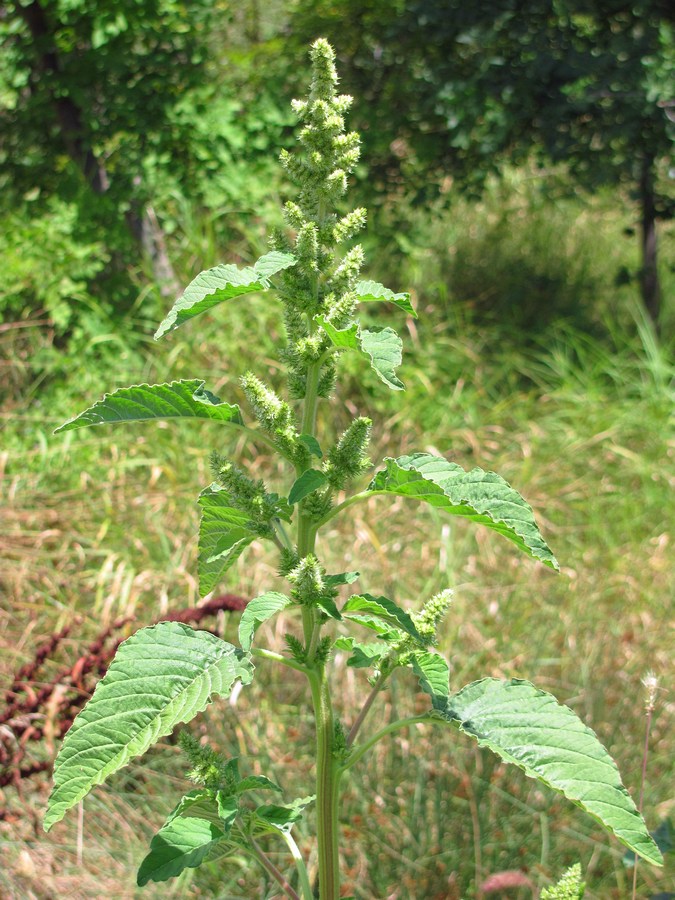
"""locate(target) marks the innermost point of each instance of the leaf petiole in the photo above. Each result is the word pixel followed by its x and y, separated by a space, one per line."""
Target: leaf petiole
pixel 383 732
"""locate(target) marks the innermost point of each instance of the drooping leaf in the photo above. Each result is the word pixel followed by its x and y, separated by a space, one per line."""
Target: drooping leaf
pixel 385 349
pixel 224 534
pixel 177 399
pixel 481 496
pixel 382 346
pixel 528 727
pixel 329 606
pixel 363 655
pixel 384 609
pixel 342 578
pixel 282 818
pixel 312 444
pixel 221 283
pixel 159 677
pixel 432 671
pixel 373 292
pixel 182 843
pixel 257 611
pixel 310 481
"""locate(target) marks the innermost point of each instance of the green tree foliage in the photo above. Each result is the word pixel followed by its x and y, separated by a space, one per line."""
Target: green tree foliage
pixel 109 123
pixel 455 89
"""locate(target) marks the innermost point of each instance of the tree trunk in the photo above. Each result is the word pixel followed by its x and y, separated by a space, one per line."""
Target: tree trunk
pixel 649 274
pixel 69 115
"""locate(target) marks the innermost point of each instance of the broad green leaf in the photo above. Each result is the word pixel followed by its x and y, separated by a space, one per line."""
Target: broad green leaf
pixel 363 655
pixel 382 608
pixel 282 818
pixel 481 496
pixel 312 444
pixel 549 742
pixel 664 838
pixel 372 292
pixel 432 671
pixel 342 578
pixel 257 783
pixel 182 843
pixel 159 677
pixel 257 611
pixel 307 483
pixel 385 349
pixel 178 399
pixel 328 605
pixel 224 534
pixel 223 283
pixel 200 803
pixel 376 624
pixel 382 346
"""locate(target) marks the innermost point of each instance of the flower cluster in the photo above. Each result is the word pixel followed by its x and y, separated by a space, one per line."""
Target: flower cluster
pixel 316 284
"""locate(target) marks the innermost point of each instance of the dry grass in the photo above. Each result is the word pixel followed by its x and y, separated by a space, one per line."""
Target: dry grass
pixel 98 527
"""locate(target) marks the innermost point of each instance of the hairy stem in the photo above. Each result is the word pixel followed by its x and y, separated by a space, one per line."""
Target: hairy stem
pixel 327 789
pixel 327 773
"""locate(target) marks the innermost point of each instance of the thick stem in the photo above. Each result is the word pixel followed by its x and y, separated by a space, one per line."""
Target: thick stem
pixel 327 772
pixel 327 789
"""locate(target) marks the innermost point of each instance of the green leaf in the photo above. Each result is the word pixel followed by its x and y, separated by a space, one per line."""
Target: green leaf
pixel 201 803
pixel 282 818
pixel 384 609
pixel 372 292
pixel 374 623
pixel 178 399
pixel 664 838
pixel 223 283
pixel 328 605
pixel 312 445
pixel 549 742
pixel 182 843
pixel 310 481
pixel 257 611
pixel 363 655
pixel 385 349
pixel 432 671
pixel 382 346
pixel 342 578
pixel 224 534
pixel 159 677
pixel 257 783
pixel 481 496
